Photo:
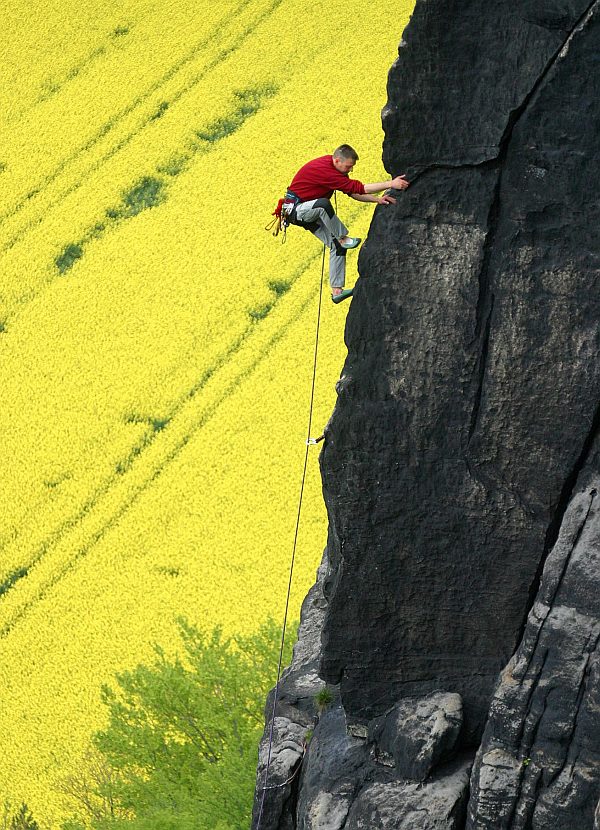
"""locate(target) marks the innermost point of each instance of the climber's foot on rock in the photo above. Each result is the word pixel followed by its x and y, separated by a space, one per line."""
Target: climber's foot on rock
pixel 342 294
pixel 349 242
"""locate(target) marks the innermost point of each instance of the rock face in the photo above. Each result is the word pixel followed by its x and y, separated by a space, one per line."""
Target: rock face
pixel 326 774
pixel 539 762
pixel 343 788
pixel 458 611
pixel 470 393
pixel 278 771
pixel 416 733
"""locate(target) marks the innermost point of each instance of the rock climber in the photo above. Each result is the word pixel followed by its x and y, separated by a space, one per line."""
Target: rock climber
pixel 307 204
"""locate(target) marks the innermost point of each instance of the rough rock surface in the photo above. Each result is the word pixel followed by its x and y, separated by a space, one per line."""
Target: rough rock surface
pixel 460 467
pixel 295 717
pixel 417 733
pixel 323 777
pixel 344 786
pixel 539 762
pixel 336 767
pixel 470 393
pixel 276 792
pixel 399 805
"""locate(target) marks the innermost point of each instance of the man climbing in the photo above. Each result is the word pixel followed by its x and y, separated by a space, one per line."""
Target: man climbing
pixel 307 204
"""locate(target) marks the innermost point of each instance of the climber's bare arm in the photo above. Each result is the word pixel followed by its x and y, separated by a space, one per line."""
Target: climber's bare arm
pixel 380 200
pixel 397 183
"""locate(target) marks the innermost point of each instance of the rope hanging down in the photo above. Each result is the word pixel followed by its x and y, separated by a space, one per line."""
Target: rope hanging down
pixel 309 441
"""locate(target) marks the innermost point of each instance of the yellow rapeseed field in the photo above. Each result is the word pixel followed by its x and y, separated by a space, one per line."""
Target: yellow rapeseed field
pixel 155 342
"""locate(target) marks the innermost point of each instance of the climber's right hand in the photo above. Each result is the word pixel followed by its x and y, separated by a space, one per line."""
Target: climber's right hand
pixel 400 182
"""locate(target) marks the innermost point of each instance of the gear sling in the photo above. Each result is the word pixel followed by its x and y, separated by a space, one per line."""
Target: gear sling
pixel 285 214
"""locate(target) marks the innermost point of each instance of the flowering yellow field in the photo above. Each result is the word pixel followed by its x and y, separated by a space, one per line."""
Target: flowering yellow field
pixel 155 343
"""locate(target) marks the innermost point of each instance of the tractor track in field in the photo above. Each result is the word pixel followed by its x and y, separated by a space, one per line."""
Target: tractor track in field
pixel 109 125
pixel 206 414
pixel 52 88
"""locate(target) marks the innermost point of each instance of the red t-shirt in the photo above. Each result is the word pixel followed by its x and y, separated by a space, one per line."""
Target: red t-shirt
pixel 319 178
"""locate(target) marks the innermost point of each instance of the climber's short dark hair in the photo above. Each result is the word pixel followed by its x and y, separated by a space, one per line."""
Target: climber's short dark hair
pixel 345 151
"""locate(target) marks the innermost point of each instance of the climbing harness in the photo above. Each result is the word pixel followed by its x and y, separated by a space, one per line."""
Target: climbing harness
pixel 309 442
pixel 284 213
pixel 275 225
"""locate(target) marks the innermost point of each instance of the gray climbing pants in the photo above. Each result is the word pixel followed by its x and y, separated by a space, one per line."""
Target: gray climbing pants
pixel 318 216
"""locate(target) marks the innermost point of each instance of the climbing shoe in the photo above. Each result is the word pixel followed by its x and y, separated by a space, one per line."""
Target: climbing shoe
pixel 338 298
pixel 351 242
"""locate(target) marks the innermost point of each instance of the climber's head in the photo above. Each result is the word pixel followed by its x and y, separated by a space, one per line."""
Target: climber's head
pixel 344 158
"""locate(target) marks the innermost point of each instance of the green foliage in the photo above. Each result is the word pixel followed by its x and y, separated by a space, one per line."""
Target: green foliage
pixel 182 735
pixel 168 571
pixel 23 820
pixel 323 699
pixel 69 256
pixel 90 790
pixel 147 193
pixel 97 230
pixel 175 164
pixel 160 111
pixel 248 101
pixel 157 424
pixel 260 312
pixel 279 287
pixel 11 579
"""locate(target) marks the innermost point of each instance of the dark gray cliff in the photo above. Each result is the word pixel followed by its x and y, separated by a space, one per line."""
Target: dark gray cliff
pixel 461 449
pixel 472 382
pixel 539 761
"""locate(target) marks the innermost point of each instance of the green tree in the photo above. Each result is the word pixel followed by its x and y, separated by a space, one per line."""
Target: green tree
pixel 23 820
pixel 89 789
pixel 182 734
